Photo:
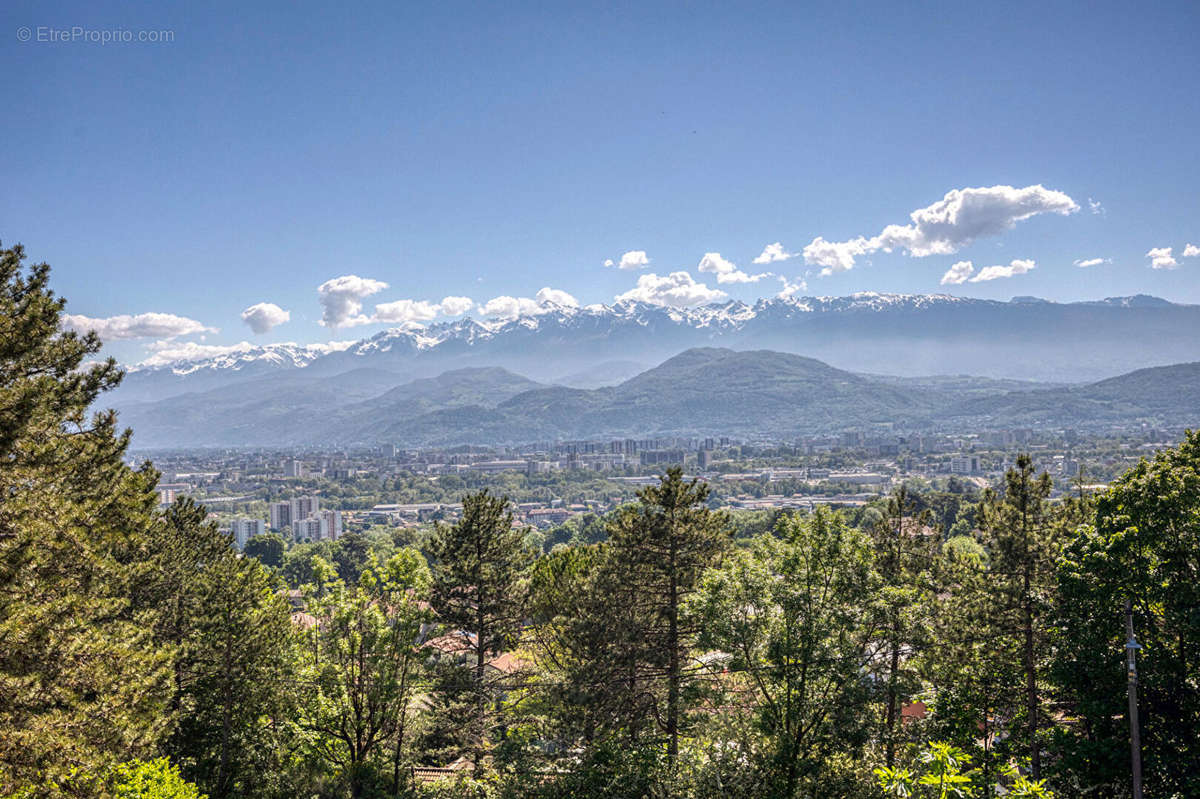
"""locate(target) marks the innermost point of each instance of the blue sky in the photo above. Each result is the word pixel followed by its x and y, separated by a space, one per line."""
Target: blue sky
pixel 485 150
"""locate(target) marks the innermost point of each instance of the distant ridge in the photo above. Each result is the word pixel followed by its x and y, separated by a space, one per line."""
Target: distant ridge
pixel 899 334
pixel 709 391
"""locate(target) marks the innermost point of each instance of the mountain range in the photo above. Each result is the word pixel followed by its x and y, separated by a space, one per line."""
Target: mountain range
pixel 754 394
pixel 905 335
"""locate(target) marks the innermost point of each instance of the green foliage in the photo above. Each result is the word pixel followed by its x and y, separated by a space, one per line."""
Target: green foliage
pixel 229 630
pixel 612 770
pixel 941 771
pixel 268 549
pixel 662 545
pixel 1144 546
pixel 81 684
pixel 298 562
pixel 790 613
pixel 1023 542
pixel 154 779
pixel 905 559
pixel 363 666
pixel 479 594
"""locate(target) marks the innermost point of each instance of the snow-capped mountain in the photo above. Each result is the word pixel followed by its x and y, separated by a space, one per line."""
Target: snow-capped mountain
pixel 240 357
pixel 903 334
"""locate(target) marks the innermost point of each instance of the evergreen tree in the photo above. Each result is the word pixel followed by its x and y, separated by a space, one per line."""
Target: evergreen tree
pixel 479 586
pixel 80 683
pixel 972 661
pixel 229 629
pixel 660 547
pixel 904 559
pixel 1024 544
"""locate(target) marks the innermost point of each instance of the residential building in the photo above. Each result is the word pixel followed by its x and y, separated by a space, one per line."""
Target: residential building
pixel 333 523
pixel 964 464
pixel 245 529
pixel 311 529
pixel 304 507
pixel 281 515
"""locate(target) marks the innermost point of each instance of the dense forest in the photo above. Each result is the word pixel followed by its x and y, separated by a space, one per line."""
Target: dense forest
pixel 907 651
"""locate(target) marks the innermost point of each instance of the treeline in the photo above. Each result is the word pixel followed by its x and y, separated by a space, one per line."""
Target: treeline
pixel 927 649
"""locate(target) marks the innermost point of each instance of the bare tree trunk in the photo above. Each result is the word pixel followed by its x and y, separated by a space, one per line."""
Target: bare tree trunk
pixel 400 724
pixel 480 707
pixel 673 669
pixel 222 781
pixel 891 706
pixel 1031 693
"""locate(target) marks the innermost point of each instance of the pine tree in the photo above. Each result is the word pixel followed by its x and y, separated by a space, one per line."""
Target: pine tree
pixel 660 547
pixel 231 636
pixel 1024 544
pixel 904 558
pixel 81 685
pixel 478 566
pixel 589 623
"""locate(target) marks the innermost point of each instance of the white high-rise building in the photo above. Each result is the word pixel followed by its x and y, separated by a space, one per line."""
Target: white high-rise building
pixel 324 525
pixel 333 523
pixel 312 529
pixel 245 529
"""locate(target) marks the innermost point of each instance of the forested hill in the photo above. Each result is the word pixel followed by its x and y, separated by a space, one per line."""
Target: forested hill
pixel 711 390
pixel 700 391
pixel 1167 393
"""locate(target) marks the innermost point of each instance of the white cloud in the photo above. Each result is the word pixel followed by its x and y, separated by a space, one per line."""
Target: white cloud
pixel 957 274
pixel 405 311
pixel 263 316
pixel 1016 267
pixel 836 256
pixel 1084 263
pixel 546 300
pixel 341 299
pixel 634 259
pixel 414 312
pixel 456 306
pixel 789 288
pixel 506 307
pixel 1095 207
pixel 549 296
pixel 772 253
pixel 326 347
pixel 958 219
pixel 1161 258
pixel 727 271
pixel 677 290
pixel 143 325
pixel 1191 251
